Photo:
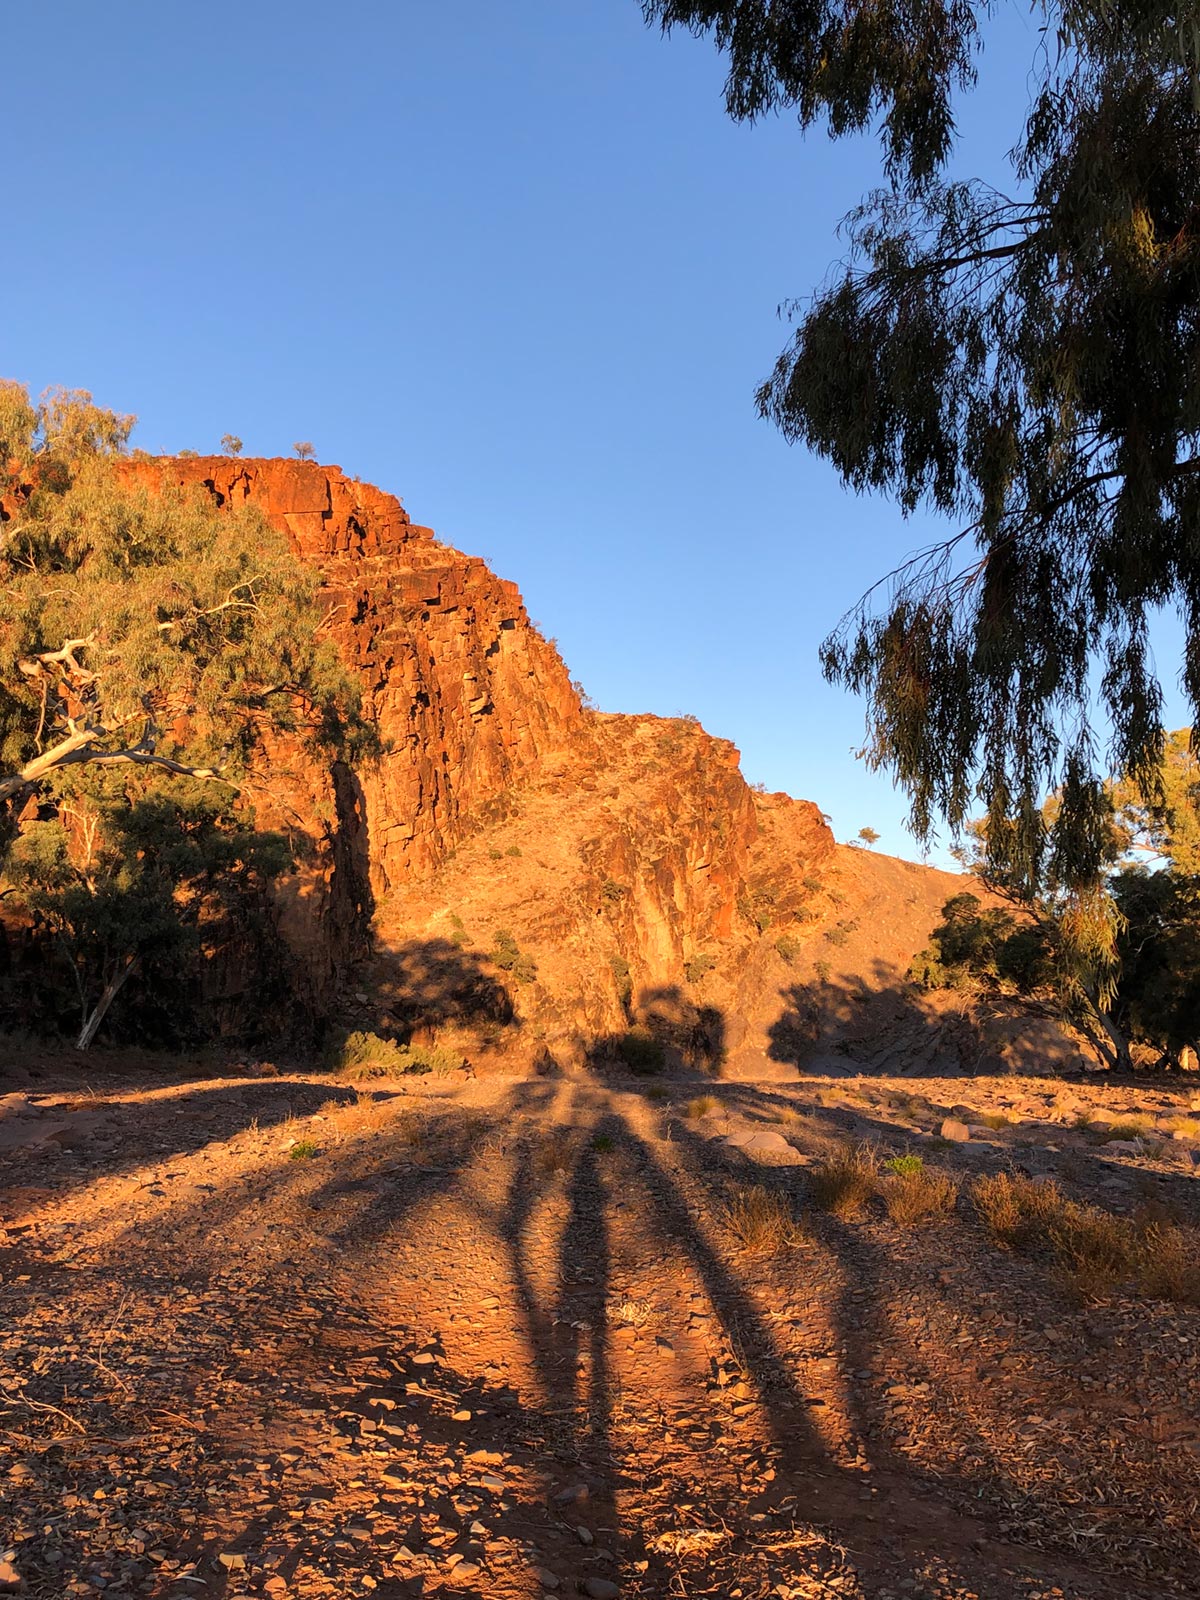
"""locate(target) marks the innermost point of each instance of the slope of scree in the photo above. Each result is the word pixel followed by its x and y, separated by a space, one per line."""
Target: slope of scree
pixel 547 884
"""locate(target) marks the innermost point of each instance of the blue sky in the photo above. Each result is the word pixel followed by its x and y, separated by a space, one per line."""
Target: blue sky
pixel 512 262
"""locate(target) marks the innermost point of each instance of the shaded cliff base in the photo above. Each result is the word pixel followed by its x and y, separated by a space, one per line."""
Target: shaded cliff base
pixel 819 989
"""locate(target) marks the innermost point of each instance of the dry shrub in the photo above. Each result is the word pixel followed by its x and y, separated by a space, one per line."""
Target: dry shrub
pixel 1169 1263
pixel 1015 1211
pixel 632 1312
pixel 1092 1249
pixel 915 1194
pixel 1127 1128
pixel 555 1155
pixel 762 1222
pixel 844 1182
pixel 700 1106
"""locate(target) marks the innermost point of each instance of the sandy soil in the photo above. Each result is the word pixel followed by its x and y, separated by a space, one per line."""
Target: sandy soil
pixel 495 1338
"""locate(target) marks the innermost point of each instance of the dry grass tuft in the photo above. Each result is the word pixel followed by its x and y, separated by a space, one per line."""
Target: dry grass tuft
pixel 1128 1128
pixel 1170 1263
pixel 996 1120
pixel 1092 1249
pixel 844 1182
pixel 631 1313
pixel 762 1222
pixel 555 1155
pixel 701 1106
pixel 916 1195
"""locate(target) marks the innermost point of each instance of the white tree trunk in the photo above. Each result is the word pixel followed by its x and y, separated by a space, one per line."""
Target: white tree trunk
pixel 111 990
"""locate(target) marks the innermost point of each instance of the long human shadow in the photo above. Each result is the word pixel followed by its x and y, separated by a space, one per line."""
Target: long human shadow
pixel 915 1501
pixel 831 1493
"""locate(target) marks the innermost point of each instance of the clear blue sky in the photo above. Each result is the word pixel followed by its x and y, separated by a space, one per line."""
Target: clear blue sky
pixel 512 262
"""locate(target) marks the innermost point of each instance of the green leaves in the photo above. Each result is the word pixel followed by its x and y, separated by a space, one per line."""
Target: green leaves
pixel 148 628
pixel 1026 363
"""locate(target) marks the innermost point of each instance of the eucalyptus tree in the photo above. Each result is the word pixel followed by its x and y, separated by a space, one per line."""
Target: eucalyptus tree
pixel 1025 363
pixel 145 629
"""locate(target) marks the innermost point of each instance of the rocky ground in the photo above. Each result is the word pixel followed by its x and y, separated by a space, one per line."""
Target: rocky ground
pixel 289 1336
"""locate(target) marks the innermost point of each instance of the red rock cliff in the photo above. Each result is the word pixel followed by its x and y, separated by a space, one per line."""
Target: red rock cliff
pixel 623 853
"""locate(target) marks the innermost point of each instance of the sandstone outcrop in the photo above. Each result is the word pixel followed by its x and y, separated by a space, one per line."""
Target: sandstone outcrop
pixel 543 883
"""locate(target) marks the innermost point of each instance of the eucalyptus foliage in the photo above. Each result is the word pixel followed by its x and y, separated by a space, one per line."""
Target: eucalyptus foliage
pixel 1027 364
pixel 145 629
pixel 126 877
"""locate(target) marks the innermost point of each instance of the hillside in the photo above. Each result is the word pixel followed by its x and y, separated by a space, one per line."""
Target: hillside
pixel 533 880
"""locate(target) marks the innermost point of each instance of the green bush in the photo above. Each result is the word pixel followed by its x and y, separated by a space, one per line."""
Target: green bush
pixel 302 1150
pixel 624 981
pixel 903 1165
pixel 506 953
pixel 698 967
pixel 368 1055
pixel 787 947
pixel 612 891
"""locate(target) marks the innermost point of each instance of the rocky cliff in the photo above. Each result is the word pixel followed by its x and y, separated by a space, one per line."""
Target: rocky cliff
pixel 539 882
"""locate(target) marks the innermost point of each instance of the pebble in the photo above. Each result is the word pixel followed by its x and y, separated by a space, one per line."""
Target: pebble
pixel 547 1579
pixel 600 1589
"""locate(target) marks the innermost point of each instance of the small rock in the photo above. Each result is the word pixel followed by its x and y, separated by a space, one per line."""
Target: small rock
pixel 577 1491
pixel 547 1579
pixel 665 1348
pixel 600 1589
pixel 764 1146
pixel 955 1131
pixel 232 1561
pixel 585 1535
pixel 10 1578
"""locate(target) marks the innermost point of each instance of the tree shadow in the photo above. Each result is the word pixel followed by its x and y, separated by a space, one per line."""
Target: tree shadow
pixel 877 1026
pixel 430 984
pixel 668 1032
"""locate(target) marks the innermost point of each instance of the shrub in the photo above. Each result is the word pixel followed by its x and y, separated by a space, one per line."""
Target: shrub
pixel 619 968
pixel 495 855
pixel 612 891
pixel 698 967
pixel 506 954
pixel 1170 1263
pixel 904 1166
pixel 1128 1128
pixel 641 1052
pixel 700 1106
pixel 913 1194
pixel 787 947
pixel 1091 1248
pixel 513 850
pixel 302 1150
pixel 762 1222
pixel 367 1055
pixel 844 1182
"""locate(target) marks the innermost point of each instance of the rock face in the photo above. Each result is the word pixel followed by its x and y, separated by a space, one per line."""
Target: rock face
pixel 467 694
pixel 546 884
pixel 625 858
